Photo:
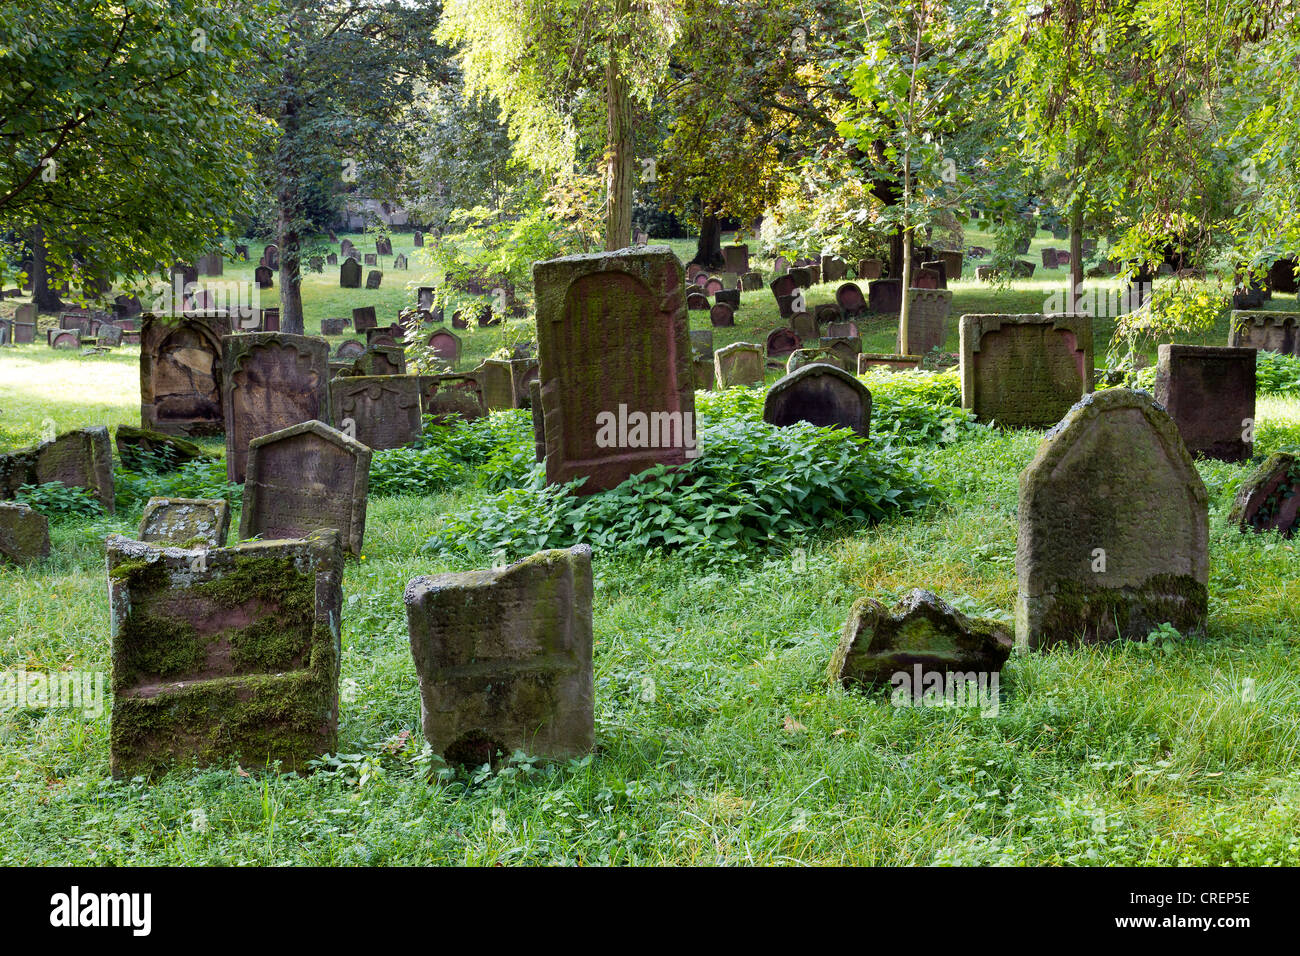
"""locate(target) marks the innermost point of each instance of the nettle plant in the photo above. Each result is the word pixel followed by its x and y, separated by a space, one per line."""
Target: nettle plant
pixel 54 499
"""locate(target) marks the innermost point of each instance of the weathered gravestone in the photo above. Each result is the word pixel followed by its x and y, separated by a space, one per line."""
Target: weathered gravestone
pixel 927 321
pixel 921 632
pixel 272 380
pixel 1210 394
pixel 316 263
pixel 384 409
pixel 399 262
pixel 448 398
pixel 332 259
pixel 1282 276
pixel 350 274
pixel 446 346
pixel 380 360
pixel 892 363
pixel 180 375
pixel 224 653
pixel 24 533
pixel 1269 499
pixel 713 285
pixel 79 459
pixel 722 316
pixel 503 658
pixel 371 259
pixel 822 394
pixel 363 318
pixel 805 326
pixel 781 342
pixel 869 269
pixel 848 348
pixel 417 238
pixel 1024 371
pixel 801 357
pixel 264 276
pixel 304 478
pixel 740 363
pixel 391 335
pixel 736 257
pixel 142 449
pixel 952 264
pixel 697 302
pixel 271 257
pixel 729 297
pixel 110 335
pixel 885 296
pixel 614 352
pixel 1270 331
pixel 333 326
pixel 64 338
pixel 704 373
pixel 349 350
pixel 186 522
pixel 374 279
pixel 1113 527
pixel 751 281
pixel 213 264
pixel 850 300
pixel 833 269
pixel 702 342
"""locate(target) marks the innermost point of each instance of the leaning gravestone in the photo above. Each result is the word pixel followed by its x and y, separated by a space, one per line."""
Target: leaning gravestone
pixel 847 347
pixel 363 318
pixel 374 279
pixel 1270 331
pixel 272 380
pixel 1209 392
pixel 305 478
pixel 453 397
pixel 1024 371
pixel 612 336
pixel 850 299
pixel 24 533
pixel 1269 500
pixel 384 409
pixel 781 342
pixel 180 375
pixel 224 654
pixel 1113 527
pixel 822 394
pixel 350 274
pixel 740 363
pixel 186 522
pixel 503 657
pixel 79 459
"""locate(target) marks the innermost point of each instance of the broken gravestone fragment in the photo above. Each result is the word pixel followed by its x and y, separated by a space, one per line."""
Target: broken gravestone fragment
pixel 1269 500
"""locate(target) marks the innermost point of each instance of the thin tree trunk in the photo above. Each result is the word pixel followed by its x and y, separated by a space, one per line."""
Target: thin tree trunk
pixel 1076 254
pixel 288 235
pixel 619 143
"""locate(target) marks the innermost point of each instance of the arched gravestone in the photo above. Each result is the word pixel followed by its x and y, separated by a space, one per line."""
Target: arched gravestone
pixel 380 360
pixel 452 397
pixel 740 363
pixel 350 274
pixel 271 257
pixel 1270 331
pixel 1209 392
pixel 306 478
pixel 697 302
pixel 384 246
pixel 1024 371
pixel 1269 500
pixel 349 349
pixel 722 316
pixel 180 375
pixel 64 339
pixel 700 279
pixel 446 346
pixel 384 409
pixel 846 348
pixel 612 341
pixel 1114 526
pixel 927 321
pixel 781 343
pixel 822 394
pixel 272 380
pixel 850 299
pixel 264 276
pixel 713 285
pixel 374 279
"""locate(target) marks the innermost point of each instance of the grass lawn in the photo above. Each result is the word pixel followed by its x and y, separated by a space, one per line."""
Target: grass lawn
pixel 719 740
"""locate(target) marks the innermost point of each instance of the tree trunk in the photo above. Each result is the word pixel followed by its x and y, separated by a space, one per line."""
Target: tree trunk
pixel 1076 255
pixel 44 294
pixel 619 142
pixel 708 250
pixel 288 234
pixel 289 240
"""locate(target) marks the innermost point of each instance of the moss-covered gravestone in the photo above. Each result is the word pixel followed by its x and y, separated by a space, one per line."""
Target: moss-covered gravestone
pixel 922 629
pixel 452 397
pixel 612 339
pixel 180 375
pixel 1209 392
pixel 78 459
pixel 384 409
pixel 822 394
pixel 1024 371
pixel 24 533
pixel 1270 331
pixel 503 658
pixel 224 654
pixel 272 380
pixel 1269 500
pixel 846 347
pixel 1113 527
pixel 740 363
pixel 801 357
pixel 304 478
pixel 186 522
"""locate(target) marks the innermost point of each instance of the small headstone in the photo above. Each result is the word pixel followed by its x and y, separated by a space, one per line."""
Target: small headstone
pixel 850 300
pixel 801 276
pixel 333 326
pixel 186 522
pixel 371 259
pixel 833 269
pixel 64 339
pixel 892 363
pixel 781 342
pixel 704 374
pixel 1024 371
pixel 374 278
pixel 1269 499
pixel 110 335
pixel 952 264
pixel 399 262
pixel 271 257
pixel 729 297
pixel 332 259
pixel 24 533
pixel 869 269
pixel 349 350
pixel 224 654
pixel 1210 394
pixel 802 357
pixel 721 315
pixel 503 658
pixel 848 348
pixel 454 397
pixel 264 277
pixel 350 274
pixel 805 326
pixel 697 301
pixel 79 459
pixel 213 264
pixel 305 478
pixel 180 375
pixel 391 335
pixel 380 360
pixel 842 330
pixel 702 342
pixel 417 238
pixel 713 285
pixel 384 409
pixel 241 251
pixel 920 634
pixel 750 281
pixel 822 394
pixel 1114 525
pixel 740 363
pixel 446 346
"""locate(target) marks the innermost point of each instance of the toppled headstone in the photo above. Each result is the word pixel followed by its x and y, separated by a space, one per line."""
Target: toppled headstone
pixel 224 654
pixel 384 409
pixel 1024 371
pixel 79 459
pixel 305 478
pixel 503 658
pixel 740 363
pixel 24 533
pixel 1209 392
pixel 821 394
pixel 186 522
pixel 879 643
pixel 1269 499
pixel 1113 527
pixel 142 448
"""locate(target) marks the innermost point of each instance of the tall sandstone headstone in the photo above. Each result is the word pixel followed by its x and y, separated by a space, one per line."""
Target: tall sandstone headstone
pixel 503 658
pixel 822 394
pixel 305 478
pixel 1114 526
pixel 384 409
pixel 350 274
pixel 1024 371
pixel 1209 392
pixel 612 334
pixel 180 375
pixel 927 320
pixel 272 380
pixel 224 654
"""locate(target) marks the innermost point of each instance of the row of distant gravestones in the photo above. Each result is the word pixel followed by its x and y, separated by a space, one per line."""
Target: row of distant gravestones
pixel 1113 519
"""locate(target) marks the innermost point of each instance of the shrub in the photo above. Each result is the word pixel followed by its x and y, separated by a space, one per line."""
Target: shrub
pixel 1277 374
pixel 205 478
pixel 497 451
pixel 56 500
